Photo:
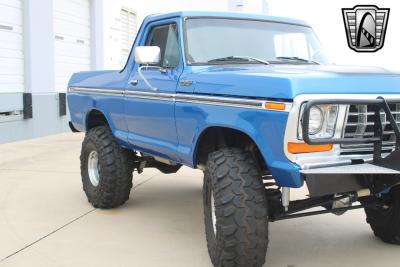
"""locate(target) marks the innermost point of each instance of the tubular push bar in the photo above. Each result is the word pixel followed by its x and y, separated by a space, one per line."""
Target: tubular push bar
pixel 379 104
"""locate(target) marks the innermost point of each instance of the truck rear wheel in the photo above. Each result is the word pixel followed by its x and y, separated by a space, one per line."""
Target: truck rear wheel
pixel 235 209
pixel 105 169
pixel 385 221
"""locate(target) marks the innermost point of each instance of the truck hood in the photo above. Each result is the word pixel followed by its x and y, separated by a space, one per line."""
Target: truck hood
pixel 288 81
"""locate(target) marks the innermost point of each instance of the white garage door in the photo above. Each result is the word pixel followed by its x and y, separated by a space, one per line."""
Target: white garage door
pixel 128 33
pixel 72 39
pixel 11 47
pixel 122 34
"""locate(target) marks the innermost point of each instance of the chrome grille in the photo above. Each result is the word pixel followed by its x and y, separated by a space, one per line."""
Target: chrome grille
pixel 360 124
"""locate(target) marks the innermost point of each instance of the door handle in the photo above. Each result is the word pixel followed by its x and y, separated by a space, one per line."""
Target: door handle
pixel 133 82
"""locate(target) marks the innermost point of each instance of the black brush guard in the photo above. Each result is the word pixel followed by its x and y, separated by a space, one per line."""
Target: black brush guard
pixel 331 183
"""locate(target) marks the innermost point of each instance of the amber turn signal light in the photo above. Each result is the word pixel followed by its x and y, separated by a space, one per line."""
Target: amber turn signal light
pixel 298 148
pixel 275 106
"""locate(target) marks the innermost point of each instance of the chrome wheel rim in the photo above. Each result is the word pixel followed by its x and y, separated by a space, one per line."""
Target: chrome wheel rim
pixel 213 216
pixel 94 168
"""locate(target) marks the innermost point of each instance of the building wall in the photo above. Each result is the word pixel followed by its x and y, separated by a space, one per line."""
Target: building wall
pixel 39 78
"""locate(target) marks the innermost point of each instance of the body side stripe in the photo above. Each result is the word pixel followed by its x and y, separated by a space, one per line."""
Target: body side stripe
pixel 179 97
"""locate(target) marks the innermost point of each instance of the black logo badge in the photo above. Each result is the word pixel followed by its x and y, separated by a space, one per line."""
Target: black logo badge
pixel 365 27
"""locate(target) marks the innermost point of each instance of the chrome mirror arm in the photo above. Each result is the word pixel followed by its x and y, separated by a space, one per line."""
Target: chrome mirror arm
pixel 144 78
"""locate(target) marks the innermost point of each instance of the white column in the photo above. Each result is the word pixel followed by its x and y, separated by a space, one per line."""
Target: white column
pixel 97 24
pixel 39 46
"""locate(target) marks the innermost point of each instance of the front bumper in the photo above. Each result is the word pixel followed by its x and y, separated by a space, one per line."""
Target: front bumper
pixel 379 175
pixel 350 178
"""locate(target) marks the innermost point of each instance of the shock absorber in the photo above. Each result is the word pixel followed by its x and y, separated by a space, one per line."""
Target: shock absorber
pixel 271 188
pixel 273 193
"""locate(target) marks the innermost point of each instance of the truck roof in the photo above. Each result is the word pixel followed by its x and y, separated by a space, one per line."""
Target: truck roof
pixel 236 15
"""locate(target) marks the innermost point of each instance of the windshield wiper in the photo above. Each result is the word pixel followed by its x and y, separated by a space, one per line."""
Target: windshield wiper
pixel 299 59
pixel 238 59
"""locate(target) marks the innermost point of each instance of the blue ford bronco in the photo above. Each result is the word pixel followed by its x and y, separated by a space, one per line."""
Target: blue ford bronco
pixel 252 101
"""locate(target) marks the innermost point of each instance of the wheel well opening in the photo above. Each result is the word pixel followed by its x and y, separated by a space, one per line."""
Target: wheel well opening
pixel 216 138
pixel 96 118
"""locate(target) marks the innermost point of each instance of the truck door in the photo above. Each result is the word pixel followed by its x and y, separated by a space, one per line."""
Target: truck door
pixel 150 115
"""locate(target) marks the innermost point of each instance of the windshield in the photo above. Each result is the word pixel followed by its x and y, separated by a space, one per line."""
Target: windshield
pixel 227 41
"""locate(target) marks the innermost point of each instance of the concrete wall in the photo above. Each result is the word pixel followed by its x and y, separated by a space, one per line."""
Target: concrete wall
pixel 45 120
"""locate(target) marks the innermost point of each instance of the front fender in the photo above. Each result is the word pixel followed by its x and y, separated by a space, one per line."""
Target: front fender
pixel 266 128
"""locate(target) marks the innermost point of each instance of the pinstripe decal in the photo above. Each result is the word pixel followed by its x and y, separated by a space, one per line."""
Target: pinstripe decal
pixel 185 98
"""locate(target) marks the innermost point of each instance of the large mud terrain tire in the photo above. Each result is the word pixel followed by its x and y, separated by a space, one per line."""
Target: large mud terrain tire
pixel 385 222
pixel 235 210
pixel 105 169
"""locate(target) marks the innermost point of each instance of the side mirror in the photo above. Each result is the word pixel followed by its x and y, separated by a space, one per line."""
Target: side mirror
pixel 147 55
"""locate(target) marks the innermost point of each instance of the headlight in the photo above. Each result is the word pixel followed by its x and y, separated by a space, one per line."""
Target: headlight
pixel 322 121
pixel 316 120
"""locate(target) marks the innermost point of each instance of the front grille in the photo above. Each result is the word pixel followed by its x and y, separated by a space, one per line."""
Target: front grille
pixel 360 124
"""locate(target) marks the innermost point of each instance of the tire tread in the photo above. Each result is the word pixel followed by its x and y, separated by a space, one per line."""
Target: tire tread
pixel 116 171
pixel 387 227
pixel 241 206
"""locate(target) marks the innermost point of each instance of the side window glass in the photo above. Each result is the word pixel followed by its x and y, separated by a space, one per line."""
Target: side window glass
pixel 166 37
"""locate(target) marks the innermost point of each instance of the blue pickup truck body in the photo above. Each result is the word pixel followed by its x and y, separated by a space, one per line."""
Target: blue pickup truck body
pixel 170 122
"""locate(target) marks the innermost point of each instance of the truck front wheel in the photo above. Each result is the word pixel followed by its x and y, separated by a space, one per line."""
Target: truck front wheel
pixel 235 209
pixel 385 220
pixel 105 169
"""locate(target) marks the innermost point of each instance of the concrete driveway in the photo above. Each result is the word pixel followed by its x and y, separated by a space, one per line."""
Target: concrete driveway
pixel 45 220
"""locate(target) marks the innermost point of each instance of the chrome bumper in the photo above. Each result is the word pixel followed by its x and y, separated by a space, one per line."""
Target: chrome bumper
pixel 365 168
